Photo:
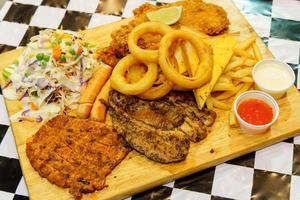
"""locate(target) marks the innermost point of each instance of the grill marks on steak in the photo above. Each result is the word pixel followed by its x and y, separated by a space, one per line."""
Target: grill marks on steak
pixel 160 129
pixel 161 146
pixel 196 121
pixel 75 153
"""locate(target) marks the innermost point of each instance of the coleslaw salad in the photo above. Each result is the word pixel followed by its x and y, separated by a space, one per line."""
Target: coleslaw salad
pixel 48 76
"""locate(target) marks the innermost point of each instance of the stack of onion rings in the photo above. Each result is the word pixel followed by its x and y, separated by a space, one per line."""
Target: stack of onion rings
pixel 152 85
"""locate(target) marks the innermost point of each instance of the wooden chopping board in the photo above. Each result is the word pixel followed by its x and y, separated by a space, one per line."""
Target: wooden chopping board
pixel 136 173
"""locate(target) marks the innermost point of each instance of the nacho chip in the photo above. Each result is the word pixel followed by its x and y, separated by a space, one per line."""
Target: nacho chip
pixel 222 51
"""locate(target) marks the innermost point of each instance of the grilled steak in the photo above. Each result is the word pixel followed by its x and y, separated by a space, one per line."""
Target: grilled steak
pixel 75 153
pixel 160 129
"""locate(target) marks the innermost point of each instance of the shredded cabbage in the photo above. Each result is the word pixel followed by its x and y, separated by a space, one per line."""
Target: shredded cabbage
pixel 49 74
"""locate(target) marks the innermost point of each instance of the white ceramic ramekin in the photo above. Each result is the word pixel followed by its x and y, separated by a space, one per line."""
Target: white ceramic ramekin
pixel 254 94
pixel 276 93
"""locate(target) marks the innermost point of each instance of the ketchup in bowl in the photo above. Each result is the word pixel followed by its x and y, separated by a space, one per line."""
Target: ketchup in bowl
pixel 255 111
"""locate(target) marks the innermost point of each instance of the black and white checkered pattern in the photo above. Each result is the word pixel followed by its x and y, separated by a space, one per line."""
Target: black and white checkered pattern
pixel 270 173
pixel 12 185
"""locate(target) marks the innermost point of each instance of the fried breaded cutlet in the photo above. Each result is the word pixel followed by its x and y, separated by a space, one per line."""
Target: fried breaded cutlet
pixel 75 153
pixel 204 17
pixel 200 16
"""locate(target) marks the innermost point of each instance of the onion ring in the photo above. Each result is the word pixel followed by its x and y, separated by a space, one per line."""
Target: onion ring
pixel 204 72
pixel 161 87
pixel 119 82
pixel 146 55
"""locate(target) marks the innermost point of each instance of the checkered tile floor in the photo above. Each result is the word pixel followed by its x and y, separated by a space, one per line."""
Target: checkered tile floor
pixel 270 173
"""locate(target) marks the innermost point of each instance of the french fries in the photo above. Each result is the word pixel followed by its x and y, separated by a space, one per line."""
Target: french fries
pixel 232 120
pixel 225 79
pixel 243 53
pixel 250 62
pixel 220 104
pixel 236 78
pixel 230 93
pixel 209 103
pixel 246 43
pixel 223 87
pixel 235 64
pixel 244 88
pixel 240 73
pixel 191 57
pixel 180 59
pixel 256 52
pixel 246 79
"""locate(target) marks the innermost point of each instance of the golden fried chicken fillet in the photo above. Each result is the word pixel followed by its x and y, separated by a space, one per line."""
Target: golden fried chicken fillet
pixel 204 17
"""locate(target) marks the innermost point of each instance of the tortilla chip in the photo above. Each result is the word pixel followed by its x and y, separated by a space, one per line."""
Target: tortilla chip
pixel 222 47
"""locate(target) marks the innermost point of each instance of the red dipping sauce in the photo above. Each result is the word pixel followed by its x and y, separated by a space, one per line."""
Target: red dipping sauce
pixel 255 111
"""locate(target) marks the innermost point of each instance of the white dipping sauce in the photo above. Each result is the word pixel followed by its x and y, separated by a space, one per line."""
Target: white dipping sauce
pixel 273 76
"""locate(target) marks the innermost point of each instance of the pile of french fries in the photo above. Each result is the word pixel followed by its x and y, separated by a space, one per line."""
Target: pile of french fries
pixel 237 75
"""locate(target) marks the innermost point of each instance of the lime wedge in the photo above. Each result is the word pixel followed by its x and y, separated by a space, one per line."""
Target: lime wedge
pixel 166 15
